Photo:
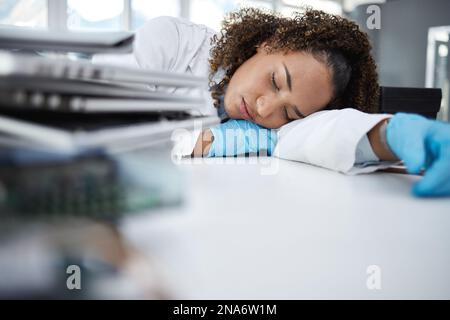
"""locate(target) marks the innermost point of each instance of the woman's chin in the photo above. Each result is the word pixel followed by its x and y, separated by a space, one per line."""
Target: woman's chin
pixel 233 114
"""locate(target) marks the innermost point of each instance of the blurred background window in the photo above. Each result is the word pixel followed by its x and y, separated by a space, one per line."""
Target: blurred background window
pixel 143 10
pixel 95 15
pixel 289 6
pixel 24 13
pixel 438 66
pixel 118 15
pixel 258 4
pixel 211 12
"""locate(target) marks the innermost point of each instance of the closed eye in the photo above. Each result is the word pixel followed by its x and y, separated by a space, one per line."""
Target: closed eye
pixel 274 84
pixel 287 115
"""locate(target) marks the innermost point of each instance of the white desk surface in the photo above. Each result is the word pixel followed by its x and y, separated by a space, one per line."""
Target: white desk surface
pixel 302 233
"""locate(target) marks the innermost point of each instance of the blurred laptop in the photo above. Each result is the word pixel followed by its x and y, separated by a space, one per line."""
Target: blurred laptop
pixel 66 104
pixel 85 42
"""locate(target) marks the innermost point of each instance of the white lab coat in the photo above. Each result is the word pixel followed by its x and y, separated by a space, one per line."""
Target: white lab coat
pixel 335 140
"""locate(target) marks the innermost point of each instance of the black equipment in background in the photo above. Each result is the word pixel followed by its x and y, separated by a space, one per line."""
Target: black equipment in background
pixel 423 101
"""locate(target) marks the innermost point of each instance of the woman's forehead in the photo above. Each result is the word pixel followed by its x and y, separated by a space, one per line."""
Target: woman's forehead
pixel 303 67
pixel 311 79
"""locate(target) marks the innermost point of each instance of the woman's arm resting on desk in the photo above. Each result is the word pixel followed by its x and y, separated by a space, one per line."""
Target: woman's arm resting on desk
pixel 421 143
pixel 377 139
pixel 375 135
pixel 206 138
pixel 311 131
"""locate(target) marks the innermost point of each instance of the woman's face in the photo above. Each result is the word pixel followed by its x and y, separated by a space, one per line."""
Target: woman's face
pixel 274 89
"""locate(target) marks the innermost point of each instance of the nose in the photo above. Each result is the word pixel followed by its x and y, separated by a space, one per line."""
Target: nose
pixel 265 106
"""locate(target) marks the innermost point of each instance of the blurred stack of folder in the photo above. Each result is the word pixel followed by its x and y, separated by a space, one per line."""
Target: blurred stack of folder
pixel 66 103
pixel 63 122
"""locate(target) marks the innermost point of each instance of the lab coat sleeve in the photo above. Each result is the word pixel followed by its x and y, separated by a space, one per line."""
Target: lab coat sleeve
pixel 184 142
pixel 330 139
pixel 364 152
pixel 156 45
pixel 171 44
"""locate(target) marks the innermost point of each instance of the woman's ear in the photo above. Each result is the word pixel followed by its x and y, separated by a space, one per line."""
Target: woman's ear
pixel 261 47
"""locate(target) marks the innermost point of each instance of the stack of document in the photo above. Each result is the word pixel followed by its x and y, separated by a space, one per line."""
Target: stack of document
pixel 81 42
pixel 66 124
pixel 64 103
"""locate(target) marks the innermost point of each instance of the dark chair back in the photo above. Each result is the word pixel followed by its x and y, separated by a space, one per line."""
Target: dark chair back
pixel 423 101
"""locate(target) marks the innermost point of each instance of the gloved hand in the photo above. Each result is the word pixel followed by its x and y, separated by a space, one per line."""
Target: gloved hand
pixel 238 137
pixel 422 144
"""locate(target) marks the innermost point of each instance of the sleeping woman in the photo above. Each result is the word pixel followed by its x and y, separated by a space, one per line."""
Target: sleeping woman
pixel 303 88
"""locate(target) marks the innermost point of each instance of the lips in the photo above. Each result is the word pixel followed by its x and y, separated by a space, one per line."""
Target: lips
pixel 243 108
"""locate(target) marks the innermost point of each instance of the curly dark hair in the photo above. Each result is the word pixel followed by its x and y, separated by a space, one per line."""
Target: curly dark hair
pixel 331 39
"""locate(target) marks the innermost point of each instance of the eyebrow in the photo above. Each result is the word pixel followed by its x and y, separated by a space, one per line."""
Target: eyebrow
pixel 288 77
pixel 289 83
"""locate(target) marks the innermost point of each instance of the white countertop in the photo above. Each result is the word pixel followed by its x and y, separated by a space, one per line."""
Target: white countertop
pixel 286 230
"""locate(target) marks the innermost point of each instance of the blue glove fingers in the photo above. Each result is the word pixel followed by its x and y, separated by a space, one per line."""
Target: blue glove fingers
pixel 405 135
pixel 236 137
pixel 232 138
pixel 266 142
pixel 436 181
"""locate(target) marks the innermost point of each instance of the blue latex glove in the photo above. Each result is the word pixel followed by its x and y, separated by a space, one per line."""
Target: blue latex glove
pixel 422 144
pixel 238 137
